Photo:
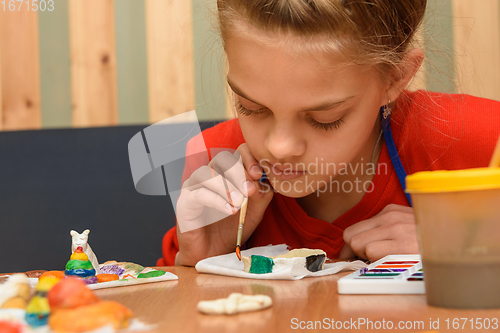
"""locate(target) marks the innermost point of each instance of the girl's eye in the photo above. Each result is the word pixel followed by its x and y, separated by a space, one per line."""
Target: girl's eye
pixel 247 112
pixel 325 126
pixel 316 124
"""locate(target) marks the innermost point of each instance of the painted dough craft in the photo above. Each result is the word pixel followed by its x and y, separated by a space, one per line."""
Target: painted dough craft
pixel 235 303
pixel 130 274
pixel 83 263
pixel 81 240
pixel 15 292
pixel 229 265
pixel 312 260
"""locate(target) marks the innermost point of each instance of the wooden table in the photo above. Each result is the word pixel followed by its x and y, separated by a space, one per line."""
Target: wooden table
pixel 171 305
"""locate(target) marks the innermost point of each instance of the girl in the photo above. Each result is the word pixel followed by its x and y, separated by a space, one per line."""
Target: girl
pixel 322 109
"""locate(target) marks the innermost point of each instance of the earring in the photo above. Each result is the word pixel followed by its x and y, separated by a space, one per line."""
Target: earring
pixel 387 110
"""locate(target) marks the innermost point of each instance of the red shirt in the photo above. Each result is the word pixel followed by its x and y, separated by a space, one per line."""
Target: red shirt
pixel 432 131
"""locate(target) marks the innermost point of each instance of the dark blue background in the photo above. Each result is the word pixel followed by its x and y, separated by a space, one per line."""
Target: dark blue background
pixel 53 181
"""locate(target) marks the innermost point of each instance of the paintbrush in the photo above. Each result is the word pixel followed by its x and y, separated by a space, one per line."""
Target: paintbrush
pixel 495 159
pixel 243 212
pixel 225 185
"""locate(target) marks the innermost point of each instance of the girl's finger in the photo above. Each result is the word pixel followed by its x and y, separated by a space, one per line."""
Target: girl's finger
pixel 360 227
pixel 199 208
pixel 360 241
pixel 205 197
pixel 252 166
pixel 207 177
pixel 380 249
pixel 387 217
pixel 400 234
pixel 231 168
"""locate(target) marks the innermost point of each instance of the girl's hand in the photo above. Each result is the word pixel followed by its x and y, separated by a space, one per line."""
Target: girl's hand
pixel 204 199
pixel 392 231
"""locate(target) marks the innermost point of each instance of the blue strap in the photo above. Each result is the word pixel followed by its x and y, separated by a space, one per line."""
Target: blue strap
pixel 393 152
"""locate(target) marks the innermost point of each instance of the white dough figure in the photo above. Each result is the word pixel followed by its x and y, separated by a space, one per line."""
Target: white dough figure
pixel 16 286
pixel 235 303
pixel 82 240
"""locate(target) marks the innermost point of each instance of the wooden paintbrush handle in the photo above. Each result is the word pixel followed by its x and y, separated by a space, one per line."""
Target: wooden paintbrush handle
pixel 495 159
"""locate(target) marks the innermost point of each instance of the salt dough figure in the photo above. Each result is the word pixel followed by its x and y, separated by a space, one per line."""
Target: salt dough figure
pixel 235 303
pixel 15 292
pixel 312 260
pixel 82 240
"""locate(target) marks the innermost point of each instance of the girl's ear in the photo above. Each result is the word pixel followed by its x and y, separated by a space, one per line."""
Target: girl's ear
pixel 404 72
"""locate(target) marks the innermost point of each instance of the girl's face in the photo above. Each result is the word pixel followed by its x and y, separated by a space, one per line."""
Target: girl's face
pixel 304 117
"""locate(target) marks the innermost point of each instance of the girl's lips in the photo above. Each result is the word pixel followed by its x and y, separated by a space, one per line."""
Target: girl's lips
pixel 286 174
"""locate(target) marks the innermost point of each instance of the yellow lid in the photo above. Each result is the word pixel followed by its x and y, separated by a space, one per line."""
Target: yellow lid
pixel 453 181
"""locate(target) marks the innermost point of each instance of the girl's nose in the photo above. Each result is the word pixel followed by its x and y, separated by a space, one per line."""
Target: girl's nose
pixel 285 141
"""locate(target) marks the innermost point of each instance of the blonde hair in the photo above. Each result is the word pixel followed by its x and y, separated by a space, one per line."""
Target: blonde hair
pixel 368 32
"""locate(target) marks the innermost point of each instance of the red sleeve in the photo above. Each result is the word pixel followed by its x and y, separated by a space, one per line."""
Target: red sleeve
pixel 170 247
pixel 435 131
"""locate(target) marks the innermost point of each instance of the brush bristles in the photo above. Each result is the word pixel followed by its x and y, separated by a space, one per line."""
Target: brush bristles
pixel 238 253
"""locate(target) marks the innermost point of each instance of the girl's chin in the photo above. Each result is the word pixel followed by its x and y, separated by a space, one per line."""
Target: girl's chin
pixel 293 194
pixel 291 189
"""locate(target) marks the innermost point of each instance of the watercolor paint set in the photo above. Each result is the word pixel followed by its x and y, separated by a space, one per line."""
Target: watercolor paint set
pixel 393 274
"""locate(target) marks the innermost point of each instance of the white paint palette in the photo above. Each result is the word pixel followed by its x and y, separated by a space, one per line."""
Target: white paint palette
pixel 394 274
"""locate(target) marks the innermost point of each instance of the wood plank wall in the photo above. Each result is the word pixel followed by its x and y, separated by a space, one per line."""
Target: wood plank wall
pixel 109 62
pixel 19 70
pixel 169 29
pixel 477 47
pixel 93 63
pixel 132 64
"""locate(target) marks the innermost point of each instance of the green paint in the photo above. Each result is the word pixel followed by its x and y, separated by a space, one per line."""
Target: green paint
pixel 150 274
pixel 208 63
pixel 131 62
pixel 55 66
pixel 439 49
pixel 261 265
pixel 79 264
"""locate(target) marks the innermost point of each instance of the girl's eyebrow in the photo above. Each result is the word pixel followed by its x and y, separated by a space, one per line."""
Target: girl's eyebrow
pixel 238 92
pixel 320 107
